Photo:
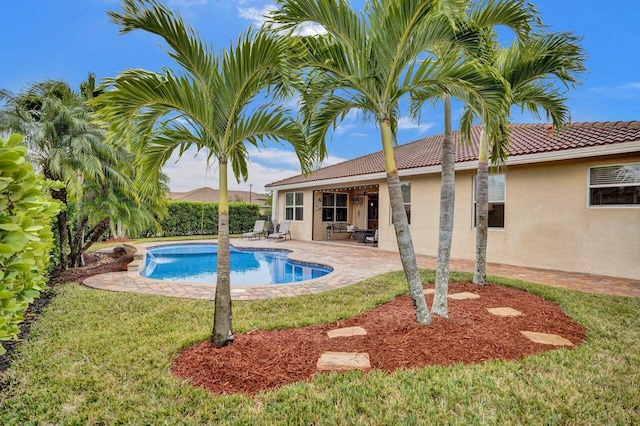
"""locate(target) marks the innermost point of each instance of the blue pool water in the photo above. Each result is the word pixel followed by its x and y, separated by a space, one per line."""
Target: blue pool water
pixel 198 263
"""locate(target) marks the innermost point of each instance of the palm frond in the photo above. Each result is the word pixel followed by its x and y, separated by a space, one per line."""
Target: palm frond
pixel 187 48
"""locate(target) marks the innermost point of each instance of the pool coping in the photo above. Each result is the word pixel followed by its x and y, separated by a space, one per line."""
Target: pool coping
pixel 351 264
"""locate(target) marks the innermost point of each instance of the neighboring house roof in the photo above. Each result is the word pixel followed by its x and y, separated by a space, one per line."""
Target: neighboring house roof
pixel 525 139
pixel 210 195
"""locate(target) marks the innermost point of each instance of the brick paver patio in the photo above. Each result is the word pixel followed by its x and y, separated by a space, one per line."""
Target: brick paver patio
pixel 350 263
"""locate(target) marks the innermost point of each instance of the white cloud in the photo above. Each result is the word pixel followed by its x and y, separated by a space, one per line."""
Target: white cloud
pixel 271 155
pixel 309 29
pixel 406 124
pixel 343 128
pixel 258 15
pixel 265 166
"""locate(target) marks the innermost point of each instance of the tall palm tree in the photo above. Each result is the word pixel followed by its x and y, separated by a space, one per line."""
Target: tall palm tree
pixel 213 104
pixel 368 62
pixel 484 17
pixel 63 142
pixel 538 71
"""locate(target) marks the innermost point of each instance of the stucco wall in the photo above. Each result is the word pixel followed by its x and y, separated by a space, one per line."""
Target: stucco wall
pixel 547 221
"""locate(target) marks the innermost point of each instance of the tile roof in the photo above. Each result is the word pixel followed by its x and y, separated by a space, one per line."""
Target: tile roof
pixel 525 139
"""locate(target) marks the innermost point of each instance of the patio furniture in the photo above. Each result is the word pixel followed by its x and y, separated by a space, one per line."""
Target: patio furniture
pixel 283 231
pixel 359 235
pixel 373 239
pixel 258 230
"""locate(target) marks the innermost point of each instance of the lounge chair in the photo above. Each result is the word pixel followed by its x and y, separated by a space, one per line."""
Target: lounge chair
pixel 373 239
pixel 258 230
pixel 283 231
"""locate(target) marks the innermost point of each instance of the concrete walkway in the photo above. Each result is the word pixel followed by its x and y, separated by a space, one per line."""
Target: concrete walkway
pixel 350 264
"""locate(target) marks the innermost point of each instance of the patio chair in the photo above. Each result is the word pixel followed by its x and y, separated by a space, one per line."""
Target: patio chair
pixel 373 239
pixel 283 231
pixel 258 230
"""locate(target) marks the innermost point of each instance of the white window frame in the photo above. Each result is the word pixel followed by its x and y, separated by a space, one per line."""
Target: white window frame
pixel 503 201
pixel 293 206
pixel 404 204
pixel 334 207
pixel 608 206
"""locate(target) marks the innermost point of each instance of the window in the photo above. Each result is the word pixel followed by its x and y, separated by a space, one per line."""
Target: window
pixel 496 200
pixel 293 205
pixel 614 185
pixel 406 198
pixel 334 207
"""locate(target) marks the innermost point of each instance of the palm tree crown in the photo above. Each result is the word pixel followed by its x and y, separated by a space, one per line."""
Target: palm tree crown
pixel 369 62
pixel 216 103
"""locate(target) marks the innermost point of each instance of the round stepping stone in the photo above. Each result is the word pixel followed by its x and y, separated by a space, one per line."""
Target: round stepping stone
pixel 429 291
pixel 346 332
pixel 505 312
pixel 546 338
pixel 342 361
pixel 463 296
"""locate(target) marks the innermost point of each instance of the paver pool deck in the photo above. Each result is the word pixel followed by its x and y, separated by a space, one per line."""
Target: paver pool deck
pixel 351 264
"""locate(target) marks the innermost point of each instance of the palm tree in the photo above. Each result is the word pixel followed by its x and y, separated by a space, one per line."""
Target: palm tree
pixel 212 105
pixel 483 16
pixel 532 68
pixel 368 62
pixel 63 143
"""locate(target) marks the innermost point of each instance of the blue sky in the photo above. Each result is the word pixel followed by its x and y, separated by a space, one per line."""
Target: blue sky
pixel 66 39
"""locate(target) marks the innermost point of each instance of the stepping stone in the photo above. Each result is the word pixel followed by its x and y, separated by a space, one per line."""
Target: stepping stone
pixel 546 339
pixel 342 361
pixel 463 296
pixel 505 312
pixel 429 291
pixel 346 332
pixel 238 290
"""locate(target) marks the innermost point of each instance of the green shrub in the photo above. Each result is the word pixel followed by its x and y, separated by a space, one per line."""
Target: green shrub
pixel 242 217
pixel 196 218
pixel 26 212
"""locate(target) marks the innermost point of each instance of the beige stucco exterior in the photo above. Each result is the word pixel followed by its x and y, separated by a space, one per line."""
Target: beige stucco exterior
pixel 548 223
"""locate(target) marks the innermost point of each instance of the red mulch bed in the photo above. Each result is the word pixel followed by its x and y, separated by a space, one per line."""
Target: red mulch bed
pixel 262 360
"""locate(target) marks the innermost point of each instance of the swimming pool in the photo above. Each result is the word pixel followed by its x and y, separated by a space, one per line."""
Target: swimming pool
pixel 197 263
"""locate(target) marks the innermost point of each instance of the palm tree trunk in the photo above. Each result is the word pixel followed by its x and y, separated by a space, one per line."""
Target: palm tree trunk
pixel 482 212
pixel 401 225
pixel 447 204
pixel 75 244
pixel 61 221
pixel 222 334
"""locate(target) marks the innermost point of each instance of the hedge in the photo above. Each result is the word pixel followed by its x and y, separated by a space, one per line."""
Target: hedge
pixel 197 218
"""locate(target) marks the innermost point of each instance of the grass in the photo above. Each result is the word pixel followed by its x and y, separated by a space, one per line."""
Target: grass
pixel 97 357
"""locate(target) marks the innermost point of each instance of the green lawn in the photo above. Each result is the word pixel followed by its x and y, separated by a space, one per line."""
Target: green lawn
pixel 96 357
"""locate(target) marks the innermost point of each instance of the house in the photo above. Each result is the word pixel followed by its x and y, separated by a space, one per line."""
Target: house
pixel 568 201
pixel 210 195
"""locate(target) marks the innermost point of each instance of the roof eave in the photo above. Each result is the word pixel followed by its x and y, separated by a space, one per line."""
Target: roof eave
pixel 540 157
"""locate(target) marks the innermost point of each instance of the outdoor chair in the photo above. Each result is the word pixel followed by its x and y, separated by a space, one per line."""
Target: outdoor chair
pixel 283 231
pixel 258 230
pixel 373 239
